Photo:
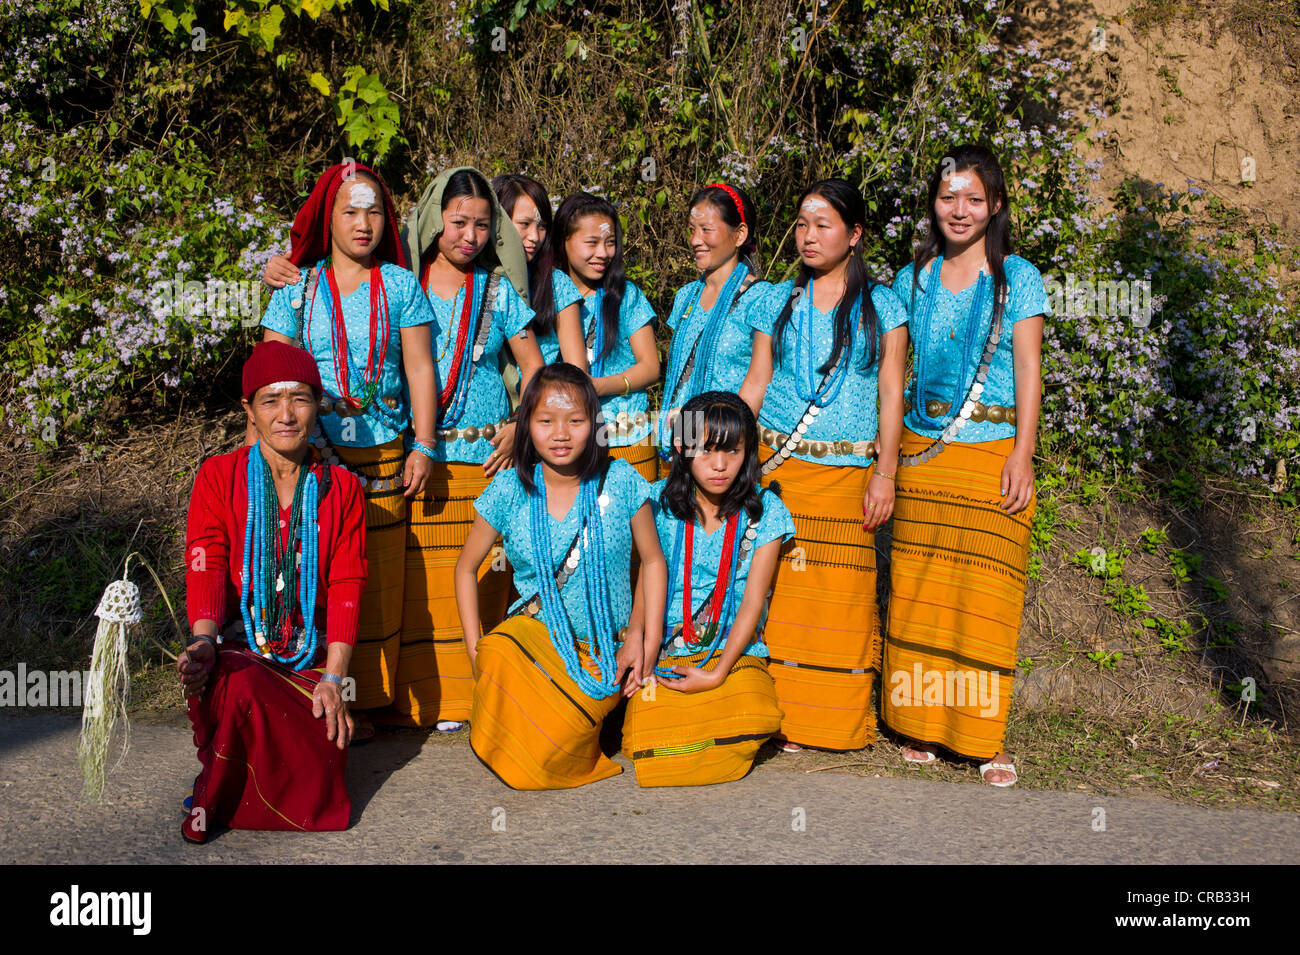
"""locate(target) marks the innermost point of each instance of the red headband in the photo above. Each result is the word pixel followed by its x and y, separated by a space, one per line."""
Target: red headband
pixel 735 197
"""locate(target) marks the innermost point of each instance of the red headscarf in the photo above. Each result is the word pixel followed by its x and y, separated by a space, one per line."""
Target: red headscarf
pixel 309 240
pixel 273 361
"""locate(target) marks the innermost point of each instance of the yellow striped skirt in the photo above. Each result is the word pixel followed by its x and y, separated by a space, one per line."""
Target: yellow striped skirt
pixel 823 627
pixel 696 739
pixel 374 659
pixel 434 678
pixel 531 724
pixel 957 592
pixel 644 456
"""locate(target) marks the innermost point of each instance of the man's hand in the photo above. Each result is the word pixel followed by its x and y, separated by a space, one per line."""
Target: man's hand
pixel 327 701
pixel 194 665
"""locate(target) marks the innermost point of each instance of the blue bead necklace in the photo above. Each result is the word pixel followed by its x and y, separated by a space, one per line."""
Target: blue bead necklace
pixel 805 372
pixel 597 357
pixel 981 299
pixel 269 558
pixel 600 615
pixel 704 347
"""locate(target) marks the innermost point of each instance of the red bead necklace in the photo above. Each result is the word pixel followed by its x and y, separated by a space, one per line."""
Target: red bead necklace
pixel 379 333
pixel 719 587
pixel 462 336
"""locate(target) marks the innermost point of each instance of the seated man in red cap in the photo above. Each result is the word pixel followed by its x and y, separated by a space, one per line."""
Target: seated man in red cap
pixel 275 553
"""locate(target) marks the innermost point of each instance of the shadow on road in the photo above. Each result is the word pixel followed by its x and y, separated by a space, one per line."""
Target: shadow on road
pixel 370 766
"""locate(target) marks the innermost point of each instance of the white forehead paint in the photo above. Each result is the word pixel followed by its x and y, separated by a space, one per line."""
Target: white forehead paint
pixel 697 215
pixel 536 219
pixel 814 204
pixel 284 385
pixel 363 197
pixel 558 399
pixel 959 182
pixel 604 228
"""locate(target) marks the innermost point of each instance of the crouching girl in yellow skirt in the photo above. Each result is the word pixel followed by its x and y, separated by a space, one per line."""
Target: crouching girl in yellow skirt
pixel 713 703
pixel 568 515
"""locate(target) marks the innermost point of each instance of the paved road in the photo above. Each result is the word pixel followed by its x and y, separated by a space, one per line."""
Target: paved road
pixel 428 799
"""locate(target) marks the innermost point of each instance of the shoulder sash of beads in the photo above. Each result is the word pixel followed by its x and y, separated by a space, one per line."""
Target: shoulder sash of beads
pixel 809 415
pixel 689 367
pixel 300 307
pixel 973 393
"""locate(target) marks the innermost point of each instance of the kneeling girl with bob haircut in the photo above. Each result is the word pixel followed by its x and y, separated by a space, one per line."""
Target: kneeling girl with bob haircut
pixel 712 703
pixel 568 514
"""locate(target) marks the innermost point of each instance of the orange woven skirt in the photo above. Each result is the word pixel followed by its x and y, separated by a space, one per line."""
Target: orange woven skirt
pixel 374 659
pixel 695 739
pixel 823 627
pixel 957 592
pixel 531 724
pixel 644 456
pixel 434 678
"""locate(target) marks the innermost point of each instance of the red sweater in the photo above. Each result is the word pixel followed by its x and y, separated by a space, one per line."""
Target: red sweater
pixel 214 546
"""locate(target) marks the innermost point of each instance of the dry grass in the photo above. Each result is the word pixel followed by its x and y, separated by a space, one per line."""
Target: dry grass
pixel 68 520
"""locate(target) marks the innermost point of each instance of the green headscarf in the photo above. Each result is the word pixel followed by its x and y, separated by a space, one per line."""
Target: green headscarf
pixel 504 253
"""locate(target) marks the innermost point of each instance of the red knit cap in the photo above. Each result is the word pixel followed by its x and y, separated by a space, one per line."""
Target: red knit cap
pixel 277 361
pixel 309 239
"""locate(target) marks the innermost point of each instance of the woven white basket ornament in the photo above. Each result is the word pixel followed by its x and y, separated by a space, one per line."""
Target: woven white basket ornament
pixel 103 712
pixel 120 603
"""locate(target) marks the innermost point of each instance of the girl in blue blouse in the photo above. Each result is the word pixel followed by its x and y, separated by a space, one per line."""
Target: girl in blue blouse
pixel 568 514
pixel 615 340
pixel 817 348
pixel 471 264
pixel 966 488
pixel 710 348
pixel 551 292
pixel 714 703
pixel 362 316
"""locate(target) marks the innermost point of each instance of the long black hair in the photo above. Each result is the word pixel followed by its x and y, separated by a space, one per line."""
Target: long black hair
pixel 852 210
pixel 562 376
pixel 614 281
pixel 711 421
pixel 541 296
pixel 725 204
pixel 466 182
pixel 970 157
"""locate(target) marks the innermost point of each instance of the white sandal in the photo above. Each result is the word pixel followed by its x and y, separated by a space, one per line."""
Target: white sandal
pixel 1006 768
pixel 924 762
